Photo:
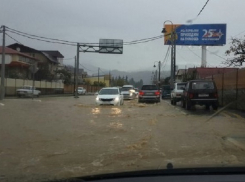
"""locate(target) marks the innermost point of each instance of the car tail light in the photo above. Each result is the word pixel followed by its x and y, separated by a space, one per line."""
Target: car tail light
pixel 157 93
pixel 191 95
pixel 141 93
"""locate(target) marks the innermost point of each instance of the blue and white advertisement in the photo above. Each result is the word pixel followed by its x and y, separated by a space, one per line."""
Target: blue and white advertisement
pixel 196 34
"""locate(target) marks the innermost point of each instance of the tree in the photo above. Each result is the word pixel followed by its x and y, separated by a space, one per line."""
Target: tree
pixel 166 80
pixel 237 50
pixel 87 82
pixel 44 74
pixel 64 75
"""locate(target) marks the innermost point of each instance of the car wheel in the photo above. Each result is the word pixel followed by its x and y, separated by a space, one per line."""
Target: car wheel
pixel 207 107
pixel 171 101
pixel 139 101
pixel 174 102
pixel 188 105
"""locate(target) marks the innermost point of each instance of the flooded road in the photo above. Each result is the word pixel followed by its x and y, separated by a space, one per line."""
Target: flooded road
pixel 55 138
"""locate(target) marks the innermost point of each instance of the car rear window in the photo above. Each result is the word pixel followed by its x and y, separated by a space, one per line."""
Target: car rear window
pixel 166 87
pixel 149 87
pixel 202 85
pixel 179 86
pixel 126 88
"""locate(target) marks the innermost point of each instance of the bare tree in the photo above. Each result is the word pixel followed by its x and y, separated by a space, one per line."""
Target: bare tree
pixel 237 50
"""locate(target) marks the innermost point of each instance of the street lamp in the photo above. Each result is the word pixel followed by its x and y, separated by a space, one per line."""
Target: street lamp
pixel 173 50
pixel 159 72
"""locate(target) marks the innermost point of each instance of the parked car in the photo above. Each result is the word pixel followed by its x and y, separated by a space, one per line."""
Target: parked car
pixel 177 92
pixel 201 92
pixel 166 91
pixel 149 93
pixel 81 91
pixel 26 91
pixel 109 96
pixel 128 92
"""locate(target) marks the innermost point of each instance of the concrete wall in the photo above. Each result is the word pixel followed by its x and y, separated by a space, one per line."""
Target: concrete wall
pixel 11 85
pixel 89 88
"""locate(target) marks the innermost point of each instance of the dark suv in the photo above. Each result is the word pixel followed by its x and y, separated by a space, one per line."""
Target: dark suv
pixel 149 93
pixel 201 92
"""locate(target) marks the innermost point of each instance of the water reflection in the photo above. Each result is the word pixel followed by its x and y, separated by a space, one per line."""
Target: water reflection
pixel 95 110
pixel 116 125
pixel 116 111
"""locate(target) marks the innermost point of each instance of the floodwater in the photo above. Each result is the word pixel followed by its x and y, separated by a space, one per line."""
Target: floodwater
pixel 55 138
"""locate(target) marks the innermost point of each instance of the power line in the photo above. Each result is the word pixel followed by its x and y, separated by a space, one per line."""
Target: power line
pixel 72 43
pixel 203 8
pixel 42 39
pixel 46 39
pixel 166 57
pixel 13 38
pixel 85 67
pixel 193 52
pixel 216 54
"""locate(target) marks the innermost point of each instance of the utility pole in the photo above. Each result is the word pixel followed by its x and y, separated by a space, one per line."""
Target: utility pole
pixel 77 66
pixel 109 78
pixel 159 72
pixel 3 67
pixel 174 54
pixel 98 79
pixel 33 79
pixel 156 76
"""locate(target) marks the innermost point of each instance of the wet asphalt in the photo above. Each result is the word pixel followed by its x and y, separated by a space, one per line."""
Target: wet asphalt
pixel 62 137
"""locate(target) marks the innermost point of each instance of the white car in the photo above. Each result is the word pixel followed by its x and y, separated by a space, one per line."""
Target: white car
pixel 27 90
pixel 109 96
pixel 177 92
pixel 81 91
pixel 128 92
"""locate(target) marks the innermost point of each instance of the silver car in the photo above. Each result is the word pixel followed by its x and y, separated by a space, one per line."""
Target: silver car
pixel 128 92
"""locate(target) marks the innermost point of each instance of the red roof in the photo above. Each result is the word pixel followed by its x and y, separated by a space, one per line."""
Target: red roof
pixel 205 72
pixel 12 51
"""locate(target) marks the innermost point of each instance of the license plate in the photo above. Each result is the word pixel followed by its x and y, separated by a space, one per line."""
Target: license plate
pixel 149 93
pixel 203 95
pixel 106 102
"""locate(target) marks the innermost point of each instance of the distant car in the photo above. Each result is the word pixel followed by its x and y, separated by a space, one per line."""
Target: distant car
pixel 26 91
pixel 166 91
pixel 177 92
pixel 128 92
pixel 201 92
pixel 149 93
pixel 81 91
pixel 109 96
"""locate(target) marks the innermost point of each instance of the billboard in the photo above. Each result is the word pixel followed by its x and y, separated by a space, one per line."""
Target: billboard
pixel 111 46
pixel 196 34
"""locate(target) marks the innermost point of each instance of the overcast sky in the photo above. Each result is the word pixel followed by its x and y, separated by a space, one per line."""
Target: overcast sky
pixel 91 20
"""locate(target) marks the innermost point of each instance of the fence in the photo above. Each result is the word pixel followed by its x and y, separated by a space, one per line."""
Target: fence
pixel 231 87
pixel 89 88
pixel 11 85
